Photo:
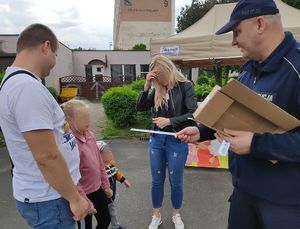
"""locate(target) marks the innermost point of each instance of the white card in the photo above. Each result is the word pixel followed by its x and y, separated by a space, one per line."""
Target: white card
pixel 223 150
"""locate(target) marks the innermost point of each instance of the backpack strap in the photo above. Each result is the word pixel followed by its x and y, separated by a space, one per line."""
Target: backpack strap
pixel 3 82
pixel 16 73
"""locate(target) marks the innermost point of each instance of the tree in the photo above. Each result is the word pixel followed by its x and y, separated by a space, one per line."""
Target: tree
pixel 83 49
pixel 139 47
pixel 190 14
pixel 293 3
pixel 78 49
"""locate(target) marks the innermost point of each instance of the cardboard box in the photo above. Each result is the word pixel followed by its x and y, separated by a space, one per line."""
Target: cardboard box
pixel 234 106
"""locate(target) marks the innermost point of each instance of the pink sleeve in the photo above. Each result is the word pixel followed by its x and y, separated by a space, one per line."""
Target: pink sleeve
pixel 104 177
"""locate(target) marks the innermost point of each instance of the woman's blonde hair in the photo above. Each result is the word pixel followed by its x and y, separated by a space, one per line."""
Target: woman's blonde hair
pixel 70 106
pixel 169 68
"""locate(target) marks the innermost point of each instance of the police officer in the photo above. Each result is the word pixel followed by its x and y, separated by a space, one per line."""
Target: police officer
pixel 266 195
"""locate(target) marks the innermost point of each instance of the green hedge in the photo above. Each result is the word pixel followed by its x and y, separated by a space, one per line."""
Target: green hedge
pixel 212 82
pixel 53 91
pixel 119 105
pixel 144 119
pixel 138 85
pixel 202 91
pixel 202 80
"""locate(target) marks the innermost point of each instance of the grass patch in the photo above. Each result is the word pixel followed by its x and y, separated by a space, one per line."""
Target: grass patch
pixel 110 132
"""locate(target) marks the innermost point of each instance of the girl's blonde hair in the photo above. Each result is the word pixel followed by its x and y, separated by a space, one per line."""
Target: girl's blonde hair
pixel 70 106
pixel 169 68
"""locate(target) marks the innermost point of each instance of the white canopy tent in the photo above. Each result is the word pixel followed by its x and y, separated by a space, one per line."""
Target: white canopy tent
pixel 199 46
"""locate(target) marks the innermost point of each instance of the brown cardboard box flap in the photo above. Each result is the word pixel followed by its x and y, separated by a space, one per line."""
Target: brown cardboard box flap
pixel 235 106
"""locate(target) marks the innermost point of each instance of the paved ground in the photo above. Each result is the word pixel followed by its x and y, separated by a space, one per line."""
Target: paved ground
pixel 98 117
pixel 205 200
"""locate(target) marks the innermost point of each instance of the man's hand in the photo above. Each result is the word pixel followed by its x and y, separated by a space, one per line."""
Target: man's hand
pixel 161 122
pixel 189 134
pixel 80 208
pixel 55 170
pixel 91 209
pixel 127 184
pixel 108 192
pixel 240 141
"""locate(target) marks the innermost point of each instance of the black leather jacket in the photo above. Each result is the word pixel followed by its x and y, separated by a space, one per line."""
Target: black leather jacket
pixel 184 103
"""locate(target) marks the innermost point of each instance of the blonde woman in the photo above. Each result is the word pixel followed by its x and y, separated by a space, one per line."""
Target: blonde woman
pixel 172 101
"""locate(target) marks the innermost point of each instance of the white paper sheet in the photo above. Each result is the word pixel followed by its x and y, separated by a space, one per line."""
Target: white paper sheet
pixel 153 131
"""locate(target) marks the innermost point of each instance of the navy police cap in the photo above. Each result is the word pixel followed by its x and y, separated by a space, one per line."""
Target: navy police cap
pixel 245 9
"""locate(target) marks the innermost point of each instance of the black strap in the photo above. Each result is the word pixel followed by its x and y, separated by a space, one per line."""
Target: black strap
pixel 16 73
pixel 9 76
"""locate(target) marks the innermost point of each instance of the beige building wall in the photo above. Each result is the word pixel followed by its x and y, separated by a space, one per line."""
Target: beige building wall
pixel 8 44
pixel 64 61
pixel 82 58
pixel 137 21
pixel 63 67
pixel 70 62
pixel 132 33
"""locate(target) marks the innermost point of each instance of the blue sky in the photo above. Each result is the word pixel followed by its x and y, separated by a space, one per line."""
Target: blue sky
pixel 84 23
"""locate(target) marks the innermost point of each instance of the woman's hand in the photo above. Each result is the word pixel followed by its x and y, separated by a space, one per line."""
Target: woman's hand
pixel 149 78
pixel 161 122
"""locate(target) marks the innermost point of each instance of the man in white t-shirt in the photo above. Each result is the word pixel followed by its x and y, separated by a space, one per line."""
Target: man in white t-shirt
pixel 43 151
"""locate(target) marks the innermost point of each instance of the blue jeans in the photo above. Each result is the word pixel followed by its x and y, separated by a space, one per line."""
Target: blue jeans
pixel 52 214
pixel 167 151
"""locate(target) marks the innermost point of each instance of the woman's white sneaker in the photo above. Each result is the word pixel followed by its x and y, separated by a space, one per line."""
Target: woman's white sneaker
pixel 155 222
pixel 178 221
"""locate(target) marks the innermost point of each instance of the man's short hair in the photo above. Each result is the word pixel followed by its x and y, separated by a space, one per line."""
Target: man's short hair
pixel 35 35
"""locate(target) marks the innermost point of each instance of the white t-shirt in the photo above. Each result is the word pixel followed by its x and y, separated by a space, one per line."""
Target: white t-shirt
pixel 25 105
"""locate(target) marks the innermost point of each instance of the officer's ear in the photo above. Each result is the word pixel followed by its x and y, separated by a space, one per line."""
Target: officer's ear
pixel 261 24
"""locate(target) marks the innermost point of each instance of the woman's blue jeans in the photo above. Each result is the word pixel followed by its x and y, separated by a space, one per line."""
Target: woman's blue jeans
pixel 167 152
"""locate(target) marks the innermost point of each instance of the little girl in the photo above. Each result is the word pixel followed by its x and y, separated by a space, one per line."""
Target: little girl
pixel 94 179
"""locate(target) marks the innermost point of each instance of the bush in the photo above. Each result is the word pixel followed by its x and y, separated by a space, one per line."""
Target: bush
pixel 202 80
pixel 139 47
pixel 212 82
pixel 202 91
pixel 53 92
pixel 119 105
pixel 137 85
pixel 145 119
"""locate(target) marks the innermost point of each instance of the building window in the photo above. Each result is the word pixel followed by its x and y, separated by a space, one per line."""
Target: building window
pixel 97 69
pixel 116 70
pixel 129 72
pixel 144 70
pixel 126 72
